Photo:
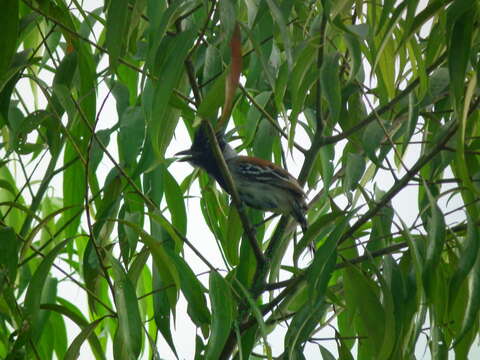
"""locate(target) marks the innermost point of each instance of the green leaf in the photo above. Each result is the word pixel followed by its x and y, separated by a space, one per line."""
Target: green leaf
pixel 436 240
pixel 316 230
pixel 161 19
pixel 420 69
pixel 303 325
pixel 161 118
pixel 9 29
pixel 260 54
pixel 222 318
pixel 233 234
pixel 282 24
pixel 39 333
pixel 325 157
pixel 250 128
pixel 127 343
pixel 74 314
pixel 228 17
pixel 127 238
pixel 153 183
pixel 372 138
pixel 473 304
pixel 131 135
pixel 96 152
pixel 116 30
pixel 326 355
pixel 62 80
pixel 299 79
pixel 162 307
pixel 192 290
pixel 396 16
pixel 121 94
pixel 354 170
pixel 386 13
pixel 330 82
pixel 317 277
pixel 413 109
pixel 9 81
pixel 175 202
pixel 433 9
pixel 390 335
pixel 73 351
pixel 73 190
pixel 459 47
pixel 165 266
pixel 4 184
pixel 57 324
pixel 461 167
pixel 354 46
pixel 361 293
pixel 319 272
pixel 213 99
pixel 92 272
pixel 46 345
pixel 9 245
pixel 37 283
pixel 468 257
pixel 281 88
pixel 257 314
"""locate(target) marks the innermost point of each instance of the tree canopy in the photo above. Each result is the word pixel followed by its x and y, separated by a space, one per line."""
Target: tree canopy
pixel 377 104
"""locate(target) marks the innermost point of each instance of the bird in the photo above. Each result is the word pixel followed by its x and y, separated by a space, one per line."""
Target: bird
pixel 261 184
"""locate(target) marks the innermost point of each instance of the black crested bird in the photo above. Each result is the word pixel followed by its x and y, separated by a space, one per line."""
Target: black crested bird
pixel 260 183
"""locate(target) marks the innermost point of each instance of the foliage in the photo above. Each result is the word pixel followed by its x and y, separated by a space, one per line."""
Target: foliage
pixel 377 101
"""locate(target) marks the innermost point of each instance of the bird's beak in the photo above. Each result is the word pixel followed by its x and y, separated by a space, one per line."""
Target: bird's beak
pixel 185 155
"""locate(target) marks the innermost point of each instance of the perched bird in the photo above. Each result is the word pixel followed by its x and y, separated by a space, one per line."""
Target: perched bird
pixel 260 184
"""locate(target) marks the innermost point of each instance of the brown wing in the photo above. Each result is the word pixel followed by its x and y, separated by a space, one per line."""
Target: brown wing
pixel 268 172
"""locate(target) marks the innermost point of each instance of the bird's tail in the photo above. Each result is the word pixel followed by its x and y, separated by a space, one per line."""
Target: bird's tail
pixel 298 213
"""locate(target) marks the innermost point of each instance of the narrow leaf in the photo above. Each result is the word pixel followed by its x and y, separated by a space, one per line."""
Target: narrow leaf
pixel 233 77
pixel 127 343
pixel 116 28
pixel 73 351
pixel 9 29
pixel 222 318
pixel 34 291
pixel 330 82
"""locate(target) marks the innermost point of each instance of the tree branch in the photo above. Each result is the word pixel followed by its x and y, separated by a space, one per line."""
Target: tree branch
pixel 232 190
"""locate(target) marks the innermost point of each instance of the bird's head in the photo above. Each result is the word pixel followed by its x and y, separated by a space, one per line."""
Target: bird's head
pixel 200 153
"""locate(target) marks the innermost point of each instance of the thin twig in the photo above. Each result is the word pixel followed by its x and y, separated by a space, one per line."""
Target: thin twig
pixel 101 48
pixel 269 118
pixel 92 235
pixel 383 109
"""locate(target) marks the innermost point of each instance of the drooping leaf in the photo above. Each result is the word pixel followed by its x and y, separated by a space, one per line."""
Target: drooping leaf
pixel 131 135
pixel 73 351
pixel 9 246
pixel 37 283
pixel 233 77
pixel 329 79
pixel 361 293
pixel 69 310
pixel 232 236
pixel 127 343
pixel 116 30
pixel 161 119
pixel 222 315
pixel 175 202
pixel 9 28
